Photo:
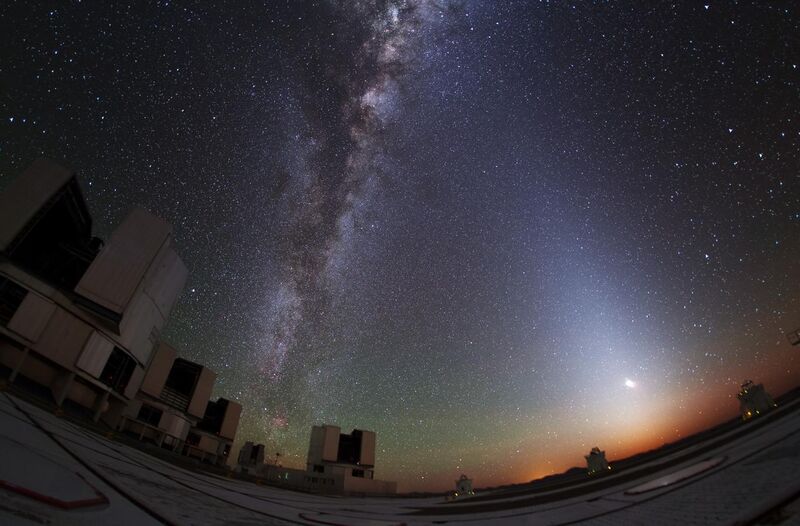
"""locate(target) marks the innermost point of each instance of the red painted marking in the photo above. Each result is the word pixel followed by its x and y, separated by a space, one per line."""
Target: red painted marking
pixel 52 501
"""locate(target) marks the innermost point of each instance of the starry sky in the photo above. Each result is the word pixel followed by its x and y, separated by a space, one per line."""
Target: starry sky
pixel 496 233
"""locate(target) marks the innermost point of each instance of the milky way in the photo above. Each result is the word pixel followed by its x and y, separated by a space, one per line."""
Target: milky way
pixel 496 233
pixel 352 91
pixel 346 105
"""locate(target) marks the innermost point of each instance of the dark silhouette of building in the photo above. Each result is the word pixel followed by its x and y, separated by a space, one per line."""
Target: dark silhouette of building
pixel 754 400
pixel 596 461
pixel 251 458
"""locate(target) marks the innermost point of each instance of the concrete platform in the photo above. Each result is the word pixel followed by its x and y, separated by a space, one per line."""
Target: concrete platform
pixel 739 478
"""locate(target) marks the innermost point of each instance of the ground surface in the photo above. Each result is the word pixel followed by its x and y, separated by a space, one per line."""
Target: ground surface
pixel 55 472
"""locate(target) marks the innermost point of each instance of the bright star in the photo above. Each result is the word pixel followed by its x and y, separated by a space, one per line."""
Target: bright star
pixel 630 384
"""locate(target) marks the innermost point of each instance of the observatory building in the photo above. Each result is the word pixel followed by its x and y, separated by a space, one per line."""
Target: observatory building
pixel 173 410
pixel 251 458
pixel 596 461
pixel 346 462
pixel 754 400
pixel 337 464
pixel 464 486
pixel 80 318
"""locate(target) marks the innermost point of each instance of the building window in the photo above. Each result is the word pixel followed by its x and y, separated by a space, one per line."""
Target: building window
pixel 193 439
pixel 11 296
pixel 180 384
pixel 118 370
pixel 358 473
pixel 319 468
pixel 350 448
pixel 150 415
pixel 214 417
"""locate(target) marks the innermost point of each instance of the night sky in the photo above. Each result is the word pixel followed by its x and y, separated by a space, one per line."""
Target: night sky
pixel 497 233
